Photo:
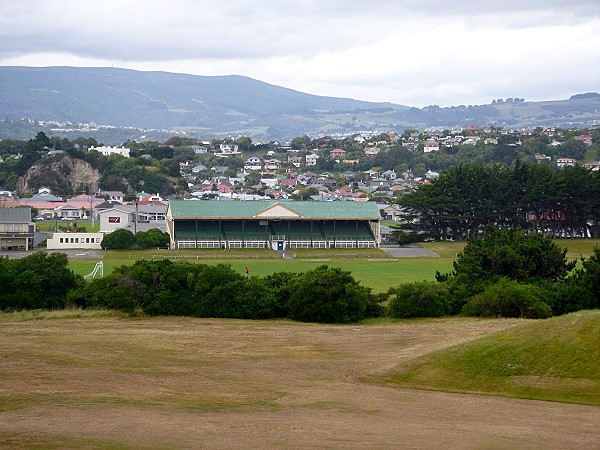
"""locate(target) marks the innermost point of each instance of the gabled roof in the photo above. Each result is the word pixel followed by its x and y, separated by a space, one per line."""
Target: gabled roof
pixel 190 209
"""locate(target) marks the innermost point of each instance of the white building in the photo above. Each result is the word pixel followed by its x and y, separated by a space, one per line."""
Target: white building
pixel 311 160
pixel 107 150
pixel 114 219
pixel 74 241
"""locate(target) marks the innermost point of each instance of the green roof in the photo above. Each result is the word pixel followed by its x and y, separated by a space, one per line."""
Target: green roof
pixel 213 209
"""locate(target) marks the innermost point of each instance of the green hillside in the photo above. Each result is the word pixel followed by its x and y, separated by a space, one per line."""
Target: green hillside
pixel 556 359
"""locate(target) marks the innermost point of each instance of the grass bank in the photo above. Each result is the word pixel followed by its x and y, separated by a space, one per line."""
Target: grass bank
pixel 556 359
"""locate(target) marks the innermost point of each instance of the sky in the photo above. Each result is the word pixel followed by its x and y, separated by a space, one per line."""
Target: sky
pixel 408 52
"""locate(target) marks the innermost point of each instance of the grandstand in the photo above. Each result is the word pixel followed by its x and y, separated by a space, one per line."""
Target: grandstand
pixel 278 225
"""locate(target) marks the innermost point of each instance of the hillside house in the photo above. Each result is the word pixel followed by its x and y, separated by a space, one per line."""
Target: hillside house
pixel 562 162
pixel 431 146
pixel 311 160
pixel 108 150
pixel 338 153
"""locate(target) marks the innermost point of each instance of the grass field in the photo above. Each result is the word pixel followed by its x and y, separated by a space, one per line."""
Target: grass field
pixel 372 267
pixel 94 379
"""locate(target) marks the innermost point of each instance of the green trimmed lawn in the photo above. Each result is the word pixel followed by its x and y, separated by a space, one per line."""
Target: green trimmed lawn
pixel 372 267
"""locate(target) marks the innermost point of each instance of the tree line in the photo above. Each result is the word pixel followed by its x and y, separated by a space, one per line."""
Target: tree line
pixel 465 199
pixel 505 273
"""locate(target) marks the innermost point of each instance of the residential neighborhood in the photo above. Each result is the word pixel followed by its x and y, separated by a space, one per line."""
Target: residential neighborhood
pixel 379 167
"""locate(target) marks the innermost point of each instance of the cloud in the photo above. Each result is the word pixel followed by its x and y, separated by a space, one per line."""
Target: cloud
pixel 411 52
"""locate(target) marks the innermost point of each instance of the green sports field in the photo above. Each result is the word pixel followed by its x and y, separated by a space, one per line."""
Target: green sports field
pixel 372 267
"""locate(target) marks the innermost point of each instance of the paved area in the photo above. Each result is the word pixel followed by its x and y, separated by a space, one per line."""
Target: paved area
pixel 409 252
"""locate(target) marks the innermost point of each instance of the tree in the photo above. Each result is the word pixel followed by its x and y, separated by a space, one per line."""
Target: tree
pixel 328 295
pixel 121 239
pixel 152 238
pixel 512 254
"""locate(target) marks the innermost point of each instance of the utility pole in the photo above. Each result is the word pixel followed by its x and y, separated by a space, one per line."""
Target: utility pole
pixel 135 217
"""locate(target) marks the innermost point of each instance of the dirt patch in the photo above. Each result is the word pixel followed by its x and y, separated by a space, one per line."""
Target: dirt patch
pixel 187 383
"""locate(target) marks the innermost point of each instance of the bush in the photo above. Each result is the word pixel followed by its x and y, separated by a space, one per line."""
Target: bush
pixel 508 298
pixel 327 295
pixel 419 299
pixel 38 281
pixel 568 296
pixel 153 238
pixel 121 239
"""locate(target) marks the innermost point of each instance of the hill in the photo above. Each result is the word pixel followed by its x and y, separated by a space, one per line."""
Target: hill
pixel 555 359
pixel 130 98
pixel 221 105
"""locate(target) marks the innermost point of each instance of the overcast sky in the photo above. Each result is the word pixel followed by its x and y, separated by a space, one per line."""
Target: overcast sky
pixel 410 52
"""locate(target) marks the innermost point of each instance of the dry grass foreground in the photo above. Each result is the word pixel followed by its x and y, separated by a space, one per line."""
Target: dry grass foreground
pixel 107 382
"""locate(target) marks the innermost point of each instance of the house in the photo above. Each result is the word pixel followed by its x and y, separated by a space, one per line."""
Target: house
pixel 337 153
pixel 199 168
pixel 288 183
pixel 199 149
pixel 226 150
pixel 390 175
pixel 16 229
pixel 68 212
pixel 562 162
pixel 150 198
pixel 585 138
pixel 311 160
pixel 107 150
pixel 371 151
pixel 295 161
pixel 592 165
pixel 253 163
pixel 410 145
pixel 116 196
pixel 272 164
pixel 540 157
pixel 431 146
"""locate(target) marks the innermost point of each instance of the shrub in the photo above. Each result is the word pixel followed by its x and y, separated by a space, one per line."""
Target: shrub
pixel 153 238
pixel 419 299
pixel 508 298
pixel 327 295
pixel 38 281
pixel 568 296
pixel 121 239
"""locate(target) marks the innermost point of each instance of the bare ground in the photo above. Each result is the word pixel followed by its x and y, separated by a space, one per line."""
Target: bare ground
pixel 187 383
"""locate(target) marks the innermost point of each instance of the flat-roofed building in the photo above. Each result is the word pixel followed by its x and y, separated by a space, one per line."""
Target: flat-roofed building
pixel 16 229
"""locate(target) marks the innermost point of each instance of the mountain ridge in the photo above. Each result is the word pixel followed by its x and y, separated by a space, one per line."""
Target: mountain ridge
pixel 235 104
